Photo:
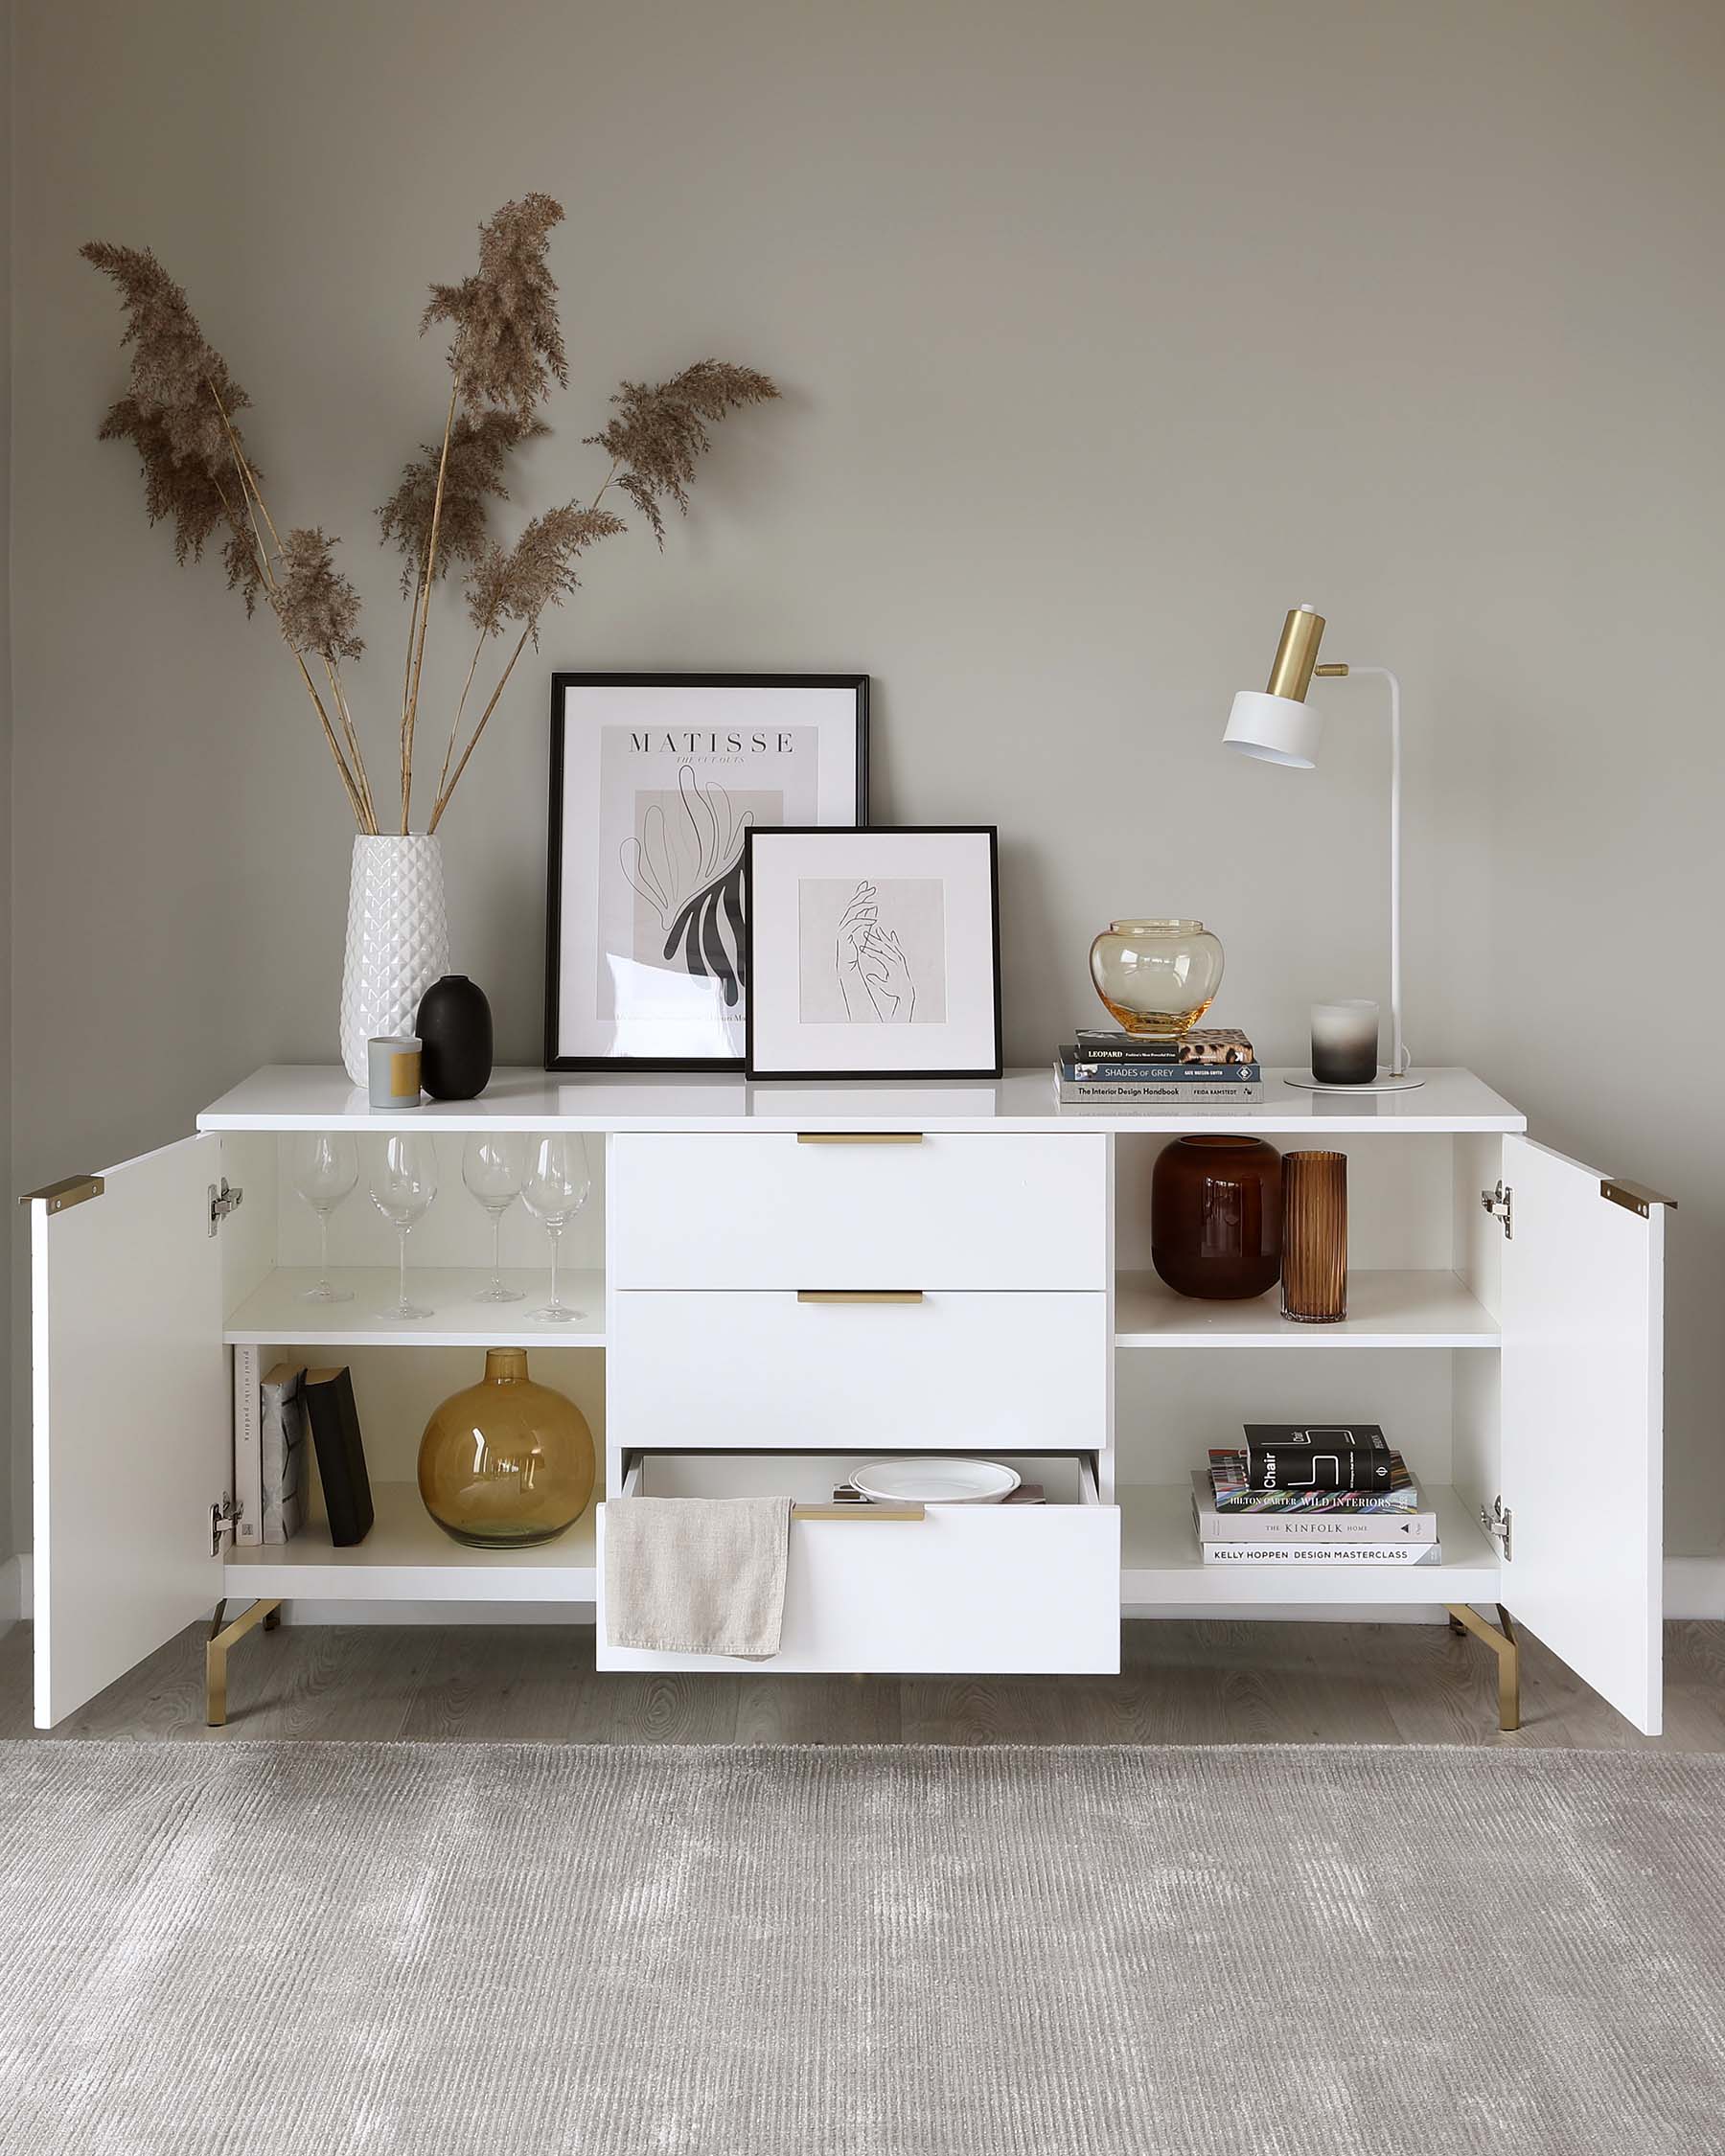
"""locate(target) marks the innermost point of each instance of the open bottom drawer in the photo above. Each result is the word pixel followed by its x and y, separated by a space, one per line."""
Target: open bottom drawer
pixel 1028 1588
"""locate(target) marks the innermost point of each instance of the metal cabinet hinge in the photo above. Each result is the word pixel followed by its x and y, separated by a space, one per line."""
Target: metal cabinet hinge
pixel 224 1517
pixel 1500 1203
pixel 1498 1525
pixel 222 1202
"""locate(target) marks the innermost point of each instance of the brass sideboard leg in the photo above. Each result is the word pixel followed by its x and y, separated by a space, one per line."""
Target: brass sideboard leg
pixel 216 1653
pixel 1507 1649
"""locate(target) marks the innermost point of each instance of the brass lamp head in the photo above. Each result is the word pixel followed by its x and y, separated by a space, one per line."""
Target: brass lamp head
pixel 1296 656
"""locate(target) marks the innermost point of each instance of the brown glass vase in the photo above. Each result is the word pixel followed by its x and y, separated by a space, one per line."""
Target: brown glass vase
pixel 507 1462
pixel 1216 1216
pixel 1315 1238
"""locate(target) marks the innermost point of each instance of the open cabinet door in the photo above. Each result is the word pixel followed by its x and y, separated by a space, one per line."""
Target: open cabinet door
pixel 1583 1437
pixel 133 1423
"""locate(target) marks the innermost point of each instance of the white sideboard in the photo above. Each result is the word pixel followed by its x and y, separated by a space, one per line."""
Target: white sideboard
pixel 778 1282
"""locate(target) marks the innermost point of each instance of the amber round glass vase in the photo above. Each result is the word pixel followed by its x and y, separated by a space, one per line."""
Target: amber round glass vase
pixel 1157 979
pixel 507 1462
pixel 1315 1238
pixel 1216 1216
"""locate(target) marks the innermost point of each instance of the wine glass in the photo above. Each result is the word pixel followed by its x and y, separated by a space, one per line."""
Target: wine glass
pixel 494 1167
pixel 559 1181
pixel 403 1181
pixel 325 1166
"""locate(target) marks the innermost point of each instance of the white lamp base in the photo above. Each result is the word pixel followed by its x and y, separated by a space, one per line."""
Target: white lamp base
pixel 1384 1082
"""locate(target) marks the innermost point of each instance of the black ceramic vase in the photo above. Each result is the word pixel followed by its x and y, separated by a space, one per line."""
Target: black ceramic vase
pixel 454 1027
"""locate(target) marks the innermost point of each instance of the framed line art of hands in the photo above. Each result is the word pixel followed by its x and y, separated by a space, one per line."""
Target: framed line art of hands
pixel 657 780
pixel 873 953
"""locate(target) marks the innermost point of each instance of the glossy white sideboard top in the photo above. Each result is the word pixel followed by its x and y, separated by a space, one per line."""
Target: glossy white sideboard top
pixel 319 1096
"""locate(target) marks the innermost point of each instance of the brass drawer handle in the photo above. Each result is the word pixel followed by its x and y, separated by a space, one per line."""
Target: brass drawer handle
pixel 859 1294
pixel 1633 1197
pixel 886 1513
pixel 859 1137
pixel 60 1197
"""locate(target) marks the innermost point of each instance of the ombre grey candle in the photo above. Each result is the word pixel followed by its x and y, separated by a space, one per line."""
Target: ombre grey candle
pixel 393 1068
pixel 1344 1041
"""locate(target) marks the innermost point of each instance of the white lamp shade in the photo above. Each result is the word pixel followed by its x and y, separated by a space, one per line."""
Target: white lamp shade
pixel 1276 728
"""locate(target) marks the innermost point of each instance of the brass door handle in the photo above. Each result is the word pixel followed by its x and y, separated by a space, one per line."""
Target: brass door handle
pixel 859 1137
pixel 859 1294
pixel 884 1513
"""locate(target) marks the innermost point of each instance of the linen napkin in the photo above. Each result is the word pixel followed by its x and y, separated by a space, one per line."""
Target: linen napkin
pixel 697 1575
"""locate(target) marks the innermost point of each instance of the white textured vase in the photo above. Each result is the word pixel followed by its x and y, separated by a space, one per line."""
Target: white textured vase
pixel 398 940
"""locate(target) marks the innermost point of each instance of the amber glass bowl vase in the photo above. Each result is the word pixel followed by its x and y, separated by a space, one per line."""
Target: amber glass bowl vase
pixel 507 1462
pixel 1216 1216
pixel 1157 979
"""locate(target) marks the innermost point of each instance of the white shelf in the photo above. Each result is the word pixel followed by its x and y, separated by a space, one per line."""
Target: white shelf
pixel 318 1097
pixel 1385 1309
pixel 1160 1561
pixel 407 1558
pixel 275 1314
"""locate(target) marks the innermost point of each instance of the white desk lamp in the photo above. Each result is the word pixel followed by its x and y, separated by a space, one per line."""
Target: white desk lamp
pixel 1280 728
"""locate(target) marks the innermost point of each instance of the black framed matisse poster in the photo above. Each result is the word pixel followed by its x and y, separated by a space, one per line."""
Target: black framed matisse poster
pixel 657 780
pixel 874 954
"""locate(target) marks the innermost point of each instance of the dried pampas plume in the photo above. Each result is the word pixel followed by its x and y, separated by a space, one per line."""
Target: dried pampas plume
pixel 659 433
pixel 316 604
pixel 508 347
pixel 472 471
pixel 519 582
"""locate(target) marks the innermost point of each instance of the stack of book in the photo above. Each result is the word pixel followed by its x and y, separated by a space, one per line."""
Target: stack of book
pixel 1312 1494
pixel 1215 1066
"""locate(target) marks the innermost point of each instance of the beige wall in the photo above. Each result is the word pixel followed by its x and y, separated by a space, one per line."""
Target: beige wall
pixel 1107 332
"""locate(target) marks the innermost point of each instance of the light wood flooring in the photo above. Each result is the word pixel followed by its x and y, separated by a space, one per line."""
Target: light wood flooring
pixel 1181 1683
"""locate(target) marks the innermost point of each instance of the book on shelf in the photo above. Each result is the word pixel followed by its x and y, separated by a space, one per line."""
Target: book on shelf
pixel 1195 1077
pixel 1303 1524
pixel 1205 1045
pixel 1234 1493
pixel 1148 1092
pixel 248 1484
pixel 284 1436
pixel 1322 1552
pixel 329 1396
pixel 1317 1455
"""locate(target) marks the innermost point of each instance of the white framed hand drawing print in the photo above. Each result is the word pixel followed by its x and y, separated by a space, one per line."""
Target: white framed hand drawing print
pixel 873 953
pixel 657 780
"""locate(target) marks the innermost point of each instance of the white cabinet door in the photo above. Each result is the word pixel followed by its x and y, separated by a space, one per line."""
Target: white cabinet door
pixel 133 1421
pixel 1583 1311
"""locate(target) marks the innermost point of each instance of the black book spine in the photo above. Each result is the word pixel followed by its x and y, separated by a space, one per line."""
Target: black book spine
pixel 1343 1463
pixel 1142 1051
pixel 329 1396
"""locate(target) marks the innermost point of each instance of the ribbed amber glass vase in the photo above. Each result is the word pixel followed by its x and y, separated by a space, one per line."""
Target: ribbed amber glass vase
pixel 1314 1269
pixel 506 1462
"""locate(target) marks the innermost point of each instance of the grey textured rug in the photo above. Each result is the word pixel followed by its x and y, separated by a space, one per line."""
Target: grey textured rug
pixel 265 1948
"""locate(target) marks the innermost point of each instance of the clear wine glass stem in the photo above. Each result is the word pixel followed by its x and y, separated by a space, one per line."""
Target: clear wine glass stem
pixel 556 1248
pixel 496 1279
pixel 323 1248
pixel 402 1239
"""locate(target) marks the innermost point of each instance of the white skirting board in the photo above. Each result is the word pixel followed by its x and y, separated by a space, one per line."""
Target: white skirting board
pixel 1695 1587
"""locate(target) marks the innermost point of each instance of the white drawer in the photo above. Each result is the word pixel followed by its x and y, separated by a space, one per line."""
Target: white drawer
pixel 770 1209
pixel 966 1587
pixel 963 1372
